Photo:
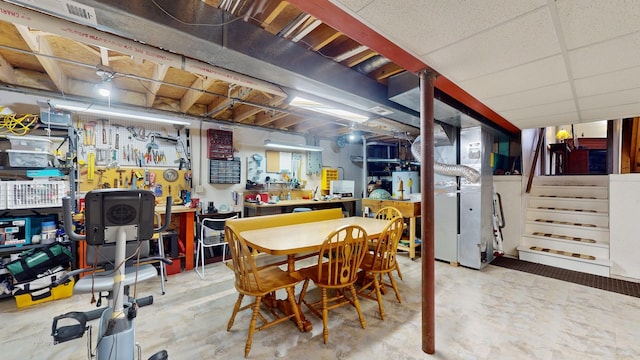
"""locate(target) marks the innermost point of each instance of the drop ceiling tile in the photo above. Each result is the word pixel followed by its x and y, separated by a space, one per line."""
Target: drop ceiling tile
pixel 548 120
pixel 539 96
pixel 617 54
pixel 610 99
pixel 421 27
pixel 529 76
pixel 560 107
pixel 604 83
pixel 352 6
pixel 615 112
pixel 525 39
pixel 585 22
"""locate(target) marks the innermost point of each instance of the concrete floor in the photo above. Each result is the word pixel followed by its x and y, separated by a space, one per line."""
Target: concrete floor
pixel 495 313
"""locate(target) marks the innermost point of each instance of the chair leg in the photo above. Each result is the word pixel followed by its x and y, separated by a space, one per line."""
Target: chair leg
pixel 303 291
pixel 398 271
pixel 395 288
pixel 252 325
pixel 236 307
pixel 325 316
pixel 224 251
pixel 294 306
pixel 357 304
pixel 376 284
pixel 199 256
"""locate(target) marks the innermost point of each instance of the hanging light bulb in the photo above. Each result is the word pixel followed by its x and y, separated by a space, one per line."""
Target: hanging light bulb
pixel 104 88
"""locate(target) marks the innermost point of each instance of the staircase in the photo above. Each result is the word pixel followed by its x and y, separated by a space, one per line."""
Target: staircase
pixel 567 223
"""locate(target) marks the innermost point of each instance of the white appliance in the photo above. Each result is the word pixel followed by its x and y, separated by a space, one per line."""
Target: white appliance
pixel 410 181
pixel 345 188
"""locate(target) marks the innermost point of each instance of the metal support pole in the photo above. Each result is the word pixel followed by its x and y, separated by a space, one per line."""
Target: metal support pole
pixel 427 212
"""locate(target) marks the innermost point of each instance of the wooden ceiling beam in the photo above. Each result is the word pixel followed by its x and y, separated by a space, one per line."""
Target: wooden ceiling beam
pixel 275 12
pixel 197 90
pixel 40 45
pixel 158 74
pixel 7 73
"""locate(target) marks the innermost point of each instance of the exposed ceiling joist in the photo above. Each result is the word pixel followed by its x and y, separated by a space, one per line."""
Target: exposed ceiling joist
pixel 40 45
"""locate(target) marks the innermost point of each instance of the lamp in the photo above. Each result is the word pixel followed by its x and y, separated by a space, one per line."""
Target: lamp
pixel 106 74
pixel 270 144
pixel 326 109
pixel 562 135
pixel 110 111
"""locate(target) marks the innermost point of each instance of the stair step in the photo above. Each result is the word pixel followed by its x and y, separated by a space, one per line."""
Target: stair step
pixel 548 221
pixel 585 246
pixel 569 191
pixel 563 253
pixel 599 234
pixel 568 209
pixel 599 205
pixel 565 237
pixel 590 264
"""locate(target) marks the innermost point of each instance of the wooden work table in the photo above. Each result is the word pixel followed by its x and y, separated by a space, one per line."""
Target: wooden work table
pixel 287 206
pixel 409 209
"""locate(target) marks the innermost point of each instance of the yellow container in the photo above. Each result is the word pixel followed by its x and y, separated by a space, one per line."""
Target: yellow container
pixel 44 295
pixel 328 175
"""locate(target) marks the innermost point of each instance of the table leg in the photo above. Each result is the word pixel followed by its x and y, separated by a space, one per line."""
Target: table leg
pixel 283 305
pixel 412 238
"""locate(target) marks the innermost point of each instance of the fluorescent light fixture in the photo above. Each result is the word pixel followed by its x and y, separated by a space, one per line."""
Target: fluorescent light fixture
pixel 284 146
pixel 115 112
pixel 326 109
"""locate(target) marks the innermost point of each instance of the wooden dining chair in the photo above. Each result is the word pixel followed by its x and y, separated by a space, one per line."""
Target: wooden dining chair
pixel 259 283
pixel 382 262
pixel 337 270
pixel 388 213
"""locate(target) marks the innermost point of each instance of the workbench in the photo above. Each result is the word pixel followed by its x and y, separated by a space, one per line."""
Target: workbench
pixel 409 209
pixel 287 206
pixel 183 222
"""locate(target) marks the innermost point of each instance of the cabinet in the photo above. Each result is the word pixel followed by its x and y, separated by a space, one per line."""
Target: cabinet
pixel 410 210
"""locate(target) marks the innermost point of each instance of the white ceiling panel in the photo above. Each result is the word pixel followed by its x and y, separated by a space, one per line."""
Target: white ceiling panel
pixel 606 83
pixel 529 76
pixel 586 22
pixel 549 120
pixel 609 99
pixel 618 54
pixel 532 62
pixel 525 39
pixel 614 112
pixel 424 26
pixel 560 107
pixel 539 96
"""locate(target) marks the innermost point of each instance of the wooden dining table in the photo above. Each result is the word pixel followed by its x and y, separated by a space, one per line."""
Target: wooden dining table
pixel 294 240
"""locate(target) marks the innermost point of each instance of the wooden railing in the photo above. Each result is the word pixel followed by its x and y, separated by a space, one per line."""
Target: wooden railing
pixel 534 163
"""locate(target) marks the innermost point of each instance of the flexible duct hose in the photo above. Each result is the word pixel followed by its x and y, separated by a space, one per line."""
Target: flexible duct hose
pixel 471 174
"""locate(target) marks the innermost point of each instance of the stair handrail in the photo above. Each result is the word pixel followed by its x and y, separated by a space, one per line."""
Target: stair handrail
pixel 534 163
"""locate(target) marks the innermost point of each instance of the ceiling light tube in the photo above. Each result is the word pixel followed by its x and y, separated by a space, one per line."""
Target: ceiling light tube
pixel 327 109
pixel 284 146
pixel 115 112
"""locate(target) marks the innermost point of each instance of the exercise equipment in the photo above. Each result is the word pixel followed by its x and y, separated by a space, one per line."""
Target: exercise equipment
pixel 117 223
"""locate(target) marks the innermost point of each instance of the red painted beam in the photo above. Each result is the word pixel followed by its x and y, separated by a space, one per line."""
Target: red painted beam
pixel 342 21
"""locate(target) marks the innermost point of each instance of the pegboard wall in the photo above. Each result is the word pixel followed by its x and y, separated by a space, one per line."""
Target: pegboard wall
pixel 124 143
pixel 126 154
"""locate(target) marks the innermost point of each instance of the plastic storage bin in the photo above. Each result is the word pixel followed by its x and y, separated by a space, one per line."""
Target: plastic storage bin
pixel 30 143
pixel 34 194
pixel 27 158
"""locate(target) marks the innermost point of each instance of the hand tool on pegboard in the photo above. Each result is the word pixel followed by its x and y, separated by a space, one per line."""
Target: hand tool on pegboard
pixel 91 166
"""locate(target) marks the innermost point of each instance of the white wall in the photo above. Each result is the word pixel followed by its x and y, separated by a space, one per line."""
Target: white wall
pixel 248 141
pixel 624 207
